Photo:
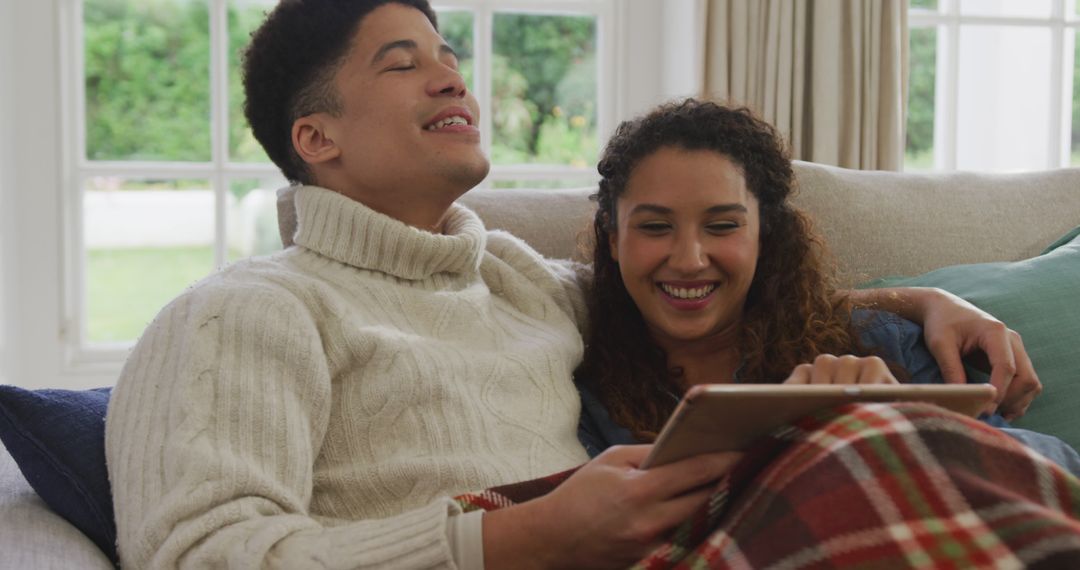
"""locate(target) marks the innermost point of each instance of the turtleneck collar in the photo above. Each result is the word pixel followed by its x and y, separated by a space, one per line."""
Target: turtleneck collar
pixel 347 231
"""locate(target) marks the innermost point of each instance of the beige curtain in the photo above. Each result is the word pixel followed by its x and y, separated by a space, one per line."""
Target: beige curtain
pixel 830 74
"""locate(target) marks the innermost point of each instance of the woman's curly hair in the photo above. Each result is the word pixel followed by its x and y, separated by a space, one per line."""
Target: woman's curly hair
pixel 792 312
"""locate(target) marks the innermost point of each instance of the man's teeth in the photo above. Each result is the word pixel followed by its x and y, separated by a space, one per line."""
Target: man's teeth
pixel 681 293
pixel 455 120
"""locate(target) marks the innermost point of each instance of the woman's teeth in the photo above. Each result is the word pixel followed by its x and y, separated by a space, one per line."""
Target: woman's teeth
pixel 455 120
pixel 682 293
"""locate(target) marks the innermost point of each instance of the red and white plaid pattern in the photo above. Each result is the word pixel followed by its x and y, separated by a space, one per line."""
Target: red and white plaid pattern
pixel 872 486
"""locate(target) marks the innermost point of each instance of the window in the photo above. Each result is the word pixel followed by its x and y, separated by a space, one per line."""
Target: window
pixel 165 182
pixel 993 85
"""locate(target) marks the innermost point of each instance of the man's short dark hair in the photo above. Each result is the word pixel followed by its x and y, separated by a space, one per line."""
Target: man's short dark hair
pixel 289 68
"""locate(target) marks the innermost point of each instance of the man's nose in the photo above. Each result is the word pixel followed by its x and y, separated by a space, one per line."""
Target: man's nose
pixel 448 82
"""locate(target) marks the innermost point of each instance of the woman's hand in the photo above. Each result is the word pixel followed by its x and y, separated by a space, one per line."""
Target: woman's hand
pixel 609 514
pixel 955 328
pixel 847 369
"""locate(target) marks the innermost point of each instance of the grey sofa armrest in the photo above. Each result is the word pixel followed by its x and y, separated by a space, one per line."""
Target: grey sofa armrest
pixel 31 535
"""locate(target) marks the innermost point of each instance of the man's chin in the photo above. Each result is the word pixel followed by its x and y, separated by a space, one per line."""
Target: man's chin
pixel 469 175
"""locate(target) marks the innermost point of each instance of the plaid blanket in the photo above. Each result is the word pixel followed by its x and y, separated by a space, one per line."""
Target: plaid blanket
pixel 871 486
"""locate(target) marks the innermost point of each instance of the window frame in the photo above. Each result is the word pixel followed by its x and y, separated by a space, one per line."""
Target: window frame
pixel 948 20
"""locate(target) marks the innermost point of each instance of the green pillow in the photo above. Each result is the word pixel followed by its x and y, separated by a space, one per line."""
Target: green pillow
pixel 1040 299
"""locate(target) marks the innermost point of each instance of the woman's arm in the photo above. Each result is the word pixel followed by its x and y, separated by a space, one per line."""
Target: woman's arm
pixel 955 328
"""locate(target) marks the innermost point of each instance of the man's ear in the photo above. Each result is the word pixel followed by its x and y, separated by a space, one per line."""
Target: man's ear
pixel 312 141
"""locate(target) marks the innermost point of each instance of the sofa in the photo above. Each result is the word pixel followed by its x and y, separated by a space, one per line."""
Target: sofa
pixel 1007 242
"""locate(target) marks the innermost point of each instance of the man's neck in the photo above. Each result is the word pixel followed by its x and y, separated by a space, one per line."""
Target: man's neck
pixel 425 211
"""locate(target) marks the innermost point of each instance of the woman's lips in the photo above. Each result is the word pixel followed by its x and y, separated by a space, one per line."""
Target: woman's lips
pixel 691 304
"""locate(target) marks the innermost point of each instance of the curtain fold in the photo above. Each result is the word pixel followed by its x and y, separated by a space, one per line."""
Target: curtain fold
pixel 830 74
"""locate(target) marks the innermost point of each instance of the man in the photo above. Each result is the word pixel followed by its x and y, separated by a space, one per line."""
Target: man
pixel 317 407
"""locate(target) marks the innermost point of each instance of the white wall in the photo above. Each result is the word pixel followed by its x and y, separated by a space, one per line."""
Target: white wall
pixel 7 189
pixel 662 53
pixel 32 224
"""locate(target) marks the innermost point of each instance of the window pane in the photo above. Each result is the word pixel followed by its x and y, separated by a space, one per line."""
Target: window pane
pixel 1012 8
pixel 925 4
pixel 244 17
pixel 1075 135
pixel 251 217
pixel 456 27
pixel 919 149
pixel 146 240
pixel 147 80
pixel 1003 111
pixel 544 89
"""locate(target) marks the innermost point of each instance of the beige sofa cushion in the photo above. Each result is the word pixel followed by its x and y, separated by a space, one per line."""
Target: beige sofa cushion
pixel 877 224
pixel 887 223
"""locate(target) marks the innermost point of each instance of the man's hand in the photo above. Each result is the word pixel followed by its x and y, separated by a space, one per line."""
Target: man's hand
pixel 846 369
pixel 609 514
pixel 955 328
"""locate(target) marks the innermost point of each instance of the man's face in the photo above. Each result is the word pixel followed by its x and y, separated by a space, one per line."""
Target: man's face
pixel 407 134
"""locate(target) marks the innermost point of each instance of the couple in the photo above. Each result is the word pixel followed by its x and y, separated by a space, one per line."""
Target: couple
pixel 318 407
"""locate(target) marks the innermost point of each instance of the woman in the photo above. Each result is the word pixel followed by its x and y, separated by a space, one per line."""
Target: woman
pixel 705 272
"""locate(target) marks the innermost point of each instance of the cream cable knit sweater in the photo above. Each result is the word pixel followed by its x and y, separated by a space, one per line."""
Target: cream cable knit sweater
pixel 314 408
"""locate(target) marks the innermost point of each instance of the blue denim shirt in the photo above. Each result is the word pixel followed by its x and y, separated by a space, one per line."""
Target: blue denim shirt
pixel 894 338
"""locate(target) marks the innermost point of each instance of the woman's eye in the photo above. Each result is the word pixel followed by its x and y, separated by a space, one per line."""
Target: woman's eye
pixel 654 228
pixel 403 67
pixel 721 227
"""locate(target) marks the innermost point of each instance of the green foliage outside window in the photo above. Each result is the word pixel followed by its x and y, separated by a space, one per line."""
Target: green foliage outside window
pixel 544 89
pixel 148 87
pixel 147 80
pixel 922 66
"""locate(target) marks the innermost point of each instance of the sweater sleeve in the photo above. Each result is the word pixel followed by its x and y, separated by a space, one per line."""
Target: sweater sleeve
pixel 212 436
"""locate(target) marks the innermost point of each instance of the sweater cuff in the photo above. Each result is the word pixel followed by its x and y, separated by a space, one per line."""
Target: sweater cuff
pixel 465 534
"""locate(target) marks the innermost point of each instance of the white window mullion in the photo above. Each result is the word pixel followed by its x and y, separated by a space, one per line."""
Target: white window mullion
pixel 219 122
pixel 951 89
pixel 73 155
pixel 1057 79
pixel 607 68
pixel 1068 55
pixel 483 42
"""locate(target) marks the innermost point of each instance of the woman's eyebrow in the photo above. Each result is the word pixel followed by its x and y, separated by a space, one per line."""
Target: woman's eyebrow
pixel 723 208
pixel 717 209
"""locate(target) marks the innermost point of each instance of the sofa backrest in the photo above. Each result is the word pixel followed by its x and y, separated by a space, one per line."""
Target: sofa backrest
pixel 875 223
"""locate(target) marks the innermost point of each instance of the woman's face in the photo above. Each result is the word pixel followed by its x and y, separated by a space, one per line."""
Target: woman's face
pixel 687 242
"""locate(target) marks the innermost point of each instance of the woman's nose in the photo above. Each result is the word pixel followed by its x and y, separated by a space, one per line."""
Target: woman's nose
pixel 688 256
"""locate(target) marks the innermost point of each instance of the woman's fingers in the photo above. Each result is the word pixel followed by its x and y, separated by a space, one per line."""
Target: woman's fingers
pixel 846 369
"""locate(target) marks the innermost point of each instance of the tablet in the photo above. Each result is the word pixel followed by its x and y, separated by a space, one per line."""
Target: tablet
pixel 728 417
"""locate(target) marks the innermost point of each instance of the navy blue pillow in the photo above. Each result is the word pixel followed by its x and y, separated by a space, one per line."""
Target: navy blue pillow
pixel 57 437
